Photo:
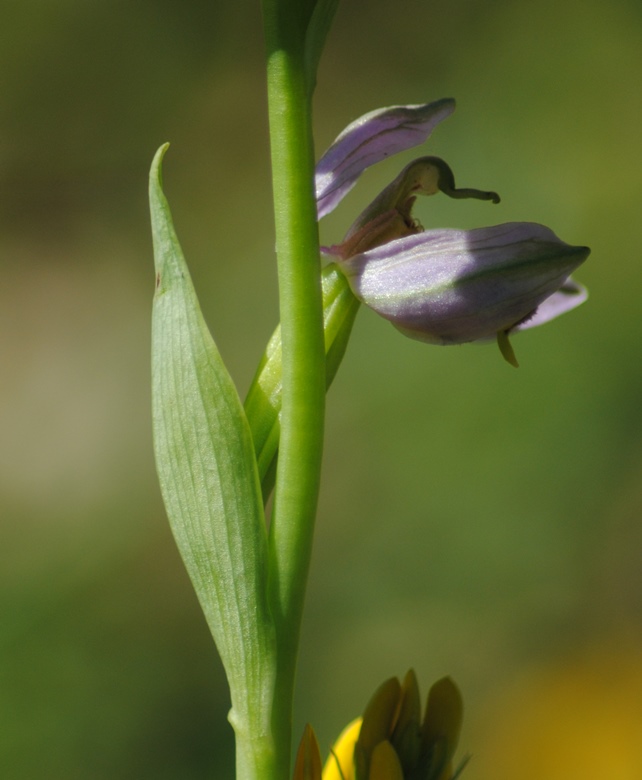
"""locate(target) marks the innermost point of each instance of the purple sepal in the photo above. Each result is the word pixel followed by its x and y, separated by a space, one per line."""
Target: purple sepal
pixel 568 297
pixel 453 286
pixel 369 139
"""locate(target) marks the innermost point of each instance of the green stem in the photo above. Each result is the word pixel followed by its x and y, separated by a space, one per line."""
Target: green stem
pixel 303 361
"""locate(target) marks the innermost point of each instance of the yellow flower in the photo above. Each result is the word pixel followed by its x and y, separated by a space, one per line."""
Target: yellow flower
pixel 391 741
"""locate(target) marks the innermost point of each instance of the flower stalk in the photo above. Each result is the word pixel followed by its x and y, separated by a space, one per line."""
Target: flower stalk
pixel 303 352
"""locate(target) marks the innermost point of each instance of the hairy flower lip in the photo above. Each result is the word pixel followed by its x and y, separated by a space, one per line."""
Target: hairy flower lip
pixel 454 286
pixel 426 175
pixel 370 139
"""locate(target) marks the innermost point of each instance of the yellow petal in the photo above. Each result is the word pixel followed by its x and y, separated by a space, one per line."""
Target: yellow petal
pixel 442 724
pixel 384 764
pixel 379 721
pixel 405 738
pixel 308 758
pixel 410 705
pixel 340 763
pixel 380 715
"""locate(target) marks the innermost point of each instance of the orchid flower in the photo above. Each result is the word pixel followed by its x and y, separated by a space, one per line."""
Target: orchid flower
pixel 440 286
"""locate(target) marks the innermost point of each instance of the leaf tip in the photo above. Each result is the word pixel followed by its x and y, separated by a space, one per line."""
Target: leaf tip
pixel 156 171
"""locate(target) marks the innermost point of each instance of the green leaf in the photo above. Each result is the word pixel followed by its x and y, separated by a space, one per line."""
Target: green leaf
pixel 209 480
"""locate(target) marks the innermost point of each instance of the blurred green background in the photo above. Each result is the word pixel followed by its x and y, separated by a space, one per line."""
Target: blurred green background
pixel 474 520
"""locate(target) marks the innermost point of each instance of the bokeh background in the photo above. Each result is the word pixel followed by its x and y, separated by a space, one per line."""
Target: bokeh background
pixel 475 520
